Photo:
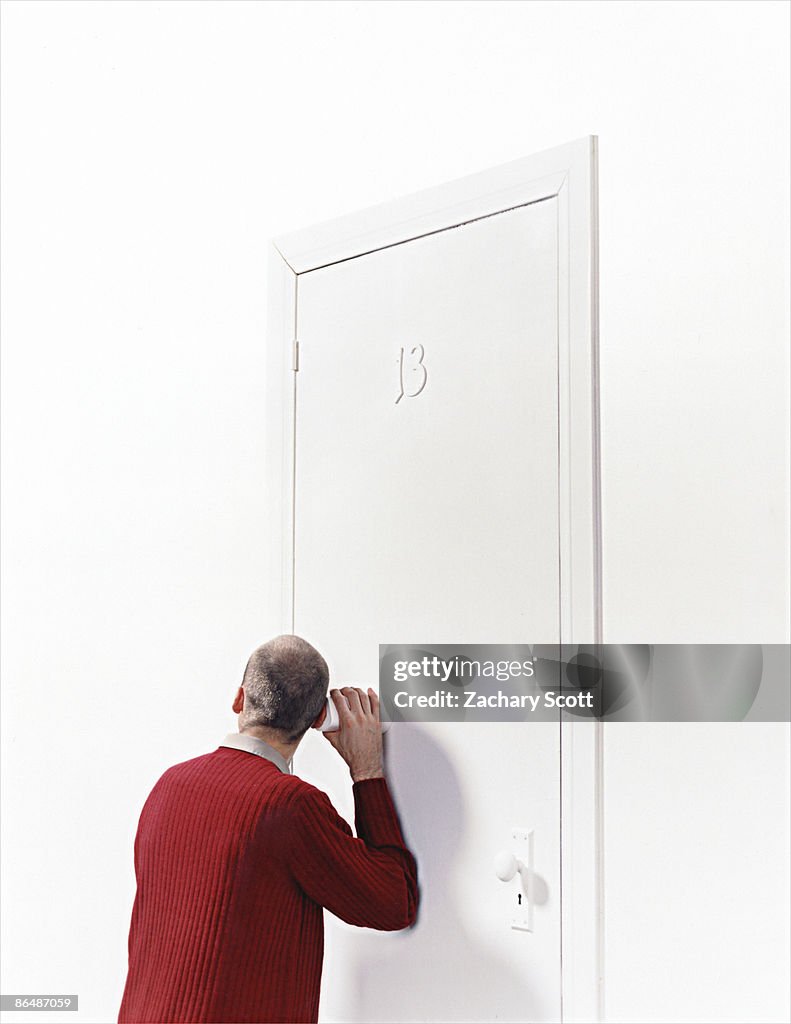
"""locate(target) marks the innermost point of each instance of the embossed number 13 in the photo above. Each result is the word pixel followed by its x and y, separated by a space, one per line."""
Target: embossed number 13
pixel 412 377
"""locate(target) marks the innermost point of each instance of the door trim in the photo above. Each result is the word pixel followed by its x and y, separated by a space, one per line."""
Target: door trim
pixel 569 173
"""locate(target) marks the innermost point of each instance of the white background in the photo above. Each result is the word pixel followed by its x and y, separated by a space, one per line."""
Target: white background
pixel 149 153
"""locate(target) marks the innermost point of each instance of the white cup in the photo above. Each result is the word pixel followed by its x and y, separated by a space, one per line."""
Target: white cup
pixel 331 721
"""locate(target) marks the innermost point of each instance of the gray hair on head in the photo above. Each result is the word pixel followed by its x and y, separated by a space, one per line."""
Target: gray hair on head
pixel 285 685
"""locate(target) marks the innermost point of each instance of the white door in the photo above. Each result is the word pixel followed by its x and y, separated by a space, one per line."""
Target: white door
pixel 429 507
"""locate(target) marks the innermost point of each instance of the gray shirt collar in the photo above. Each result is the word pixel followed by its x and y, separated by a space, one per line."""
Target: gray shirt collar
pixel 254 745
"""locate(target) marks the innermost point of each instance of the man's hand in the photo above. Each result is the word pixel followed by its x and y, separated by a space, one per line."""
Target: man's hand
pixel 359 739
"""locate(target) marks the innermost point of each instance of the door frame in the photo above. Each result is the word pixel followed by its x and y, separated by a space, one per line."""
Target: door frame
pixel 569 174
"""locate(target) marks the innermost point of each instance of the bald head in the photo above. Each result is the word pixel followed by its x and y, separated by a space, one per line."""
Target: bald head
pixel 285 686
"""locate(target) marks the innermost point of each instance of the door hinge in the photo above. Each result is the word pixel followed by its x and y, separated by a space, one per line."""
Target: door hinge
pixel 295 356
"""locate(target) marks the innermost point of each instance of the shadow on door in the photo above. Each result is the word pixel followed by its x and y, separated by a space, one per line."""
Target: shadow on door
pixel 436 970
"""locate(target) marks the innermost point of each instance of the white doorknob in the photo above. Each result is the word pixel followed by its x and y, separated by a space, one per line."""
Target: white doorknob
pixel 506 865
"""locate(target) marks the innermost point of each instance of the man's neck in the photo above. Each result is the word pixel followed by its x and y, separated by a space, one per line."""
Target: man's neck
pixel 273 738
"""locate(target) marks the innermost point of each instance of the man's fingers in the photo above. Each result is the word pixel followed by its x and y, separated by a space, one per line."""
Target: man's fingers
pixel 344 714
pixel 352 694
pixel 353 702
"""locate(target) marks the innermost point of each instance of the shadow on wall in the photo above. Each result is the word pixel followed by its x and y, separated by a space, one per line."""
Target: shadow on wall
pixel 434 970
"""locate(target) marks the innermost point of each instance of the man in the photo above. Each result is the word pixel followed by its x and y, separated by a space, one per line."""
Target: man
pixel 236 857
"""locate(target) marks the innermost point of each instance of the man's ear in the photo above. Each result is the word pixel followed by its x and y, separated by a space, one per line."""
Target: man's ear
pixel 317 721
pixel 238 701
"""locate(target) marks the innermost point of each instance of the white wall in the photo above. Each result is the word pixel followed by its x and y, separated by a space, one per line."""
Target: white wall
pixel 696 872
pixel 149 152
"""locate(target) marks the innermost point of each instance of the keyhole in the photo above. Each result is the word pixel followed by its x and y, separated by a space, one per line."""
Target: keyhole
pixel 519 897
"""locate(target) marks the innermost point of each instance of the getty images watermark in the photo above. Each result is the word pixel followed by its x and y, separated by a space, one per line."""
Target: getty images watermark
pixel 611 682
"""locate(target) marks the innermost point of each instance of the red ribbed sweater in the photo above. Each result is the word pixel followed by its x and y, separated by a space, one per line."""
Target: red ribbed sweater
pixel 234 862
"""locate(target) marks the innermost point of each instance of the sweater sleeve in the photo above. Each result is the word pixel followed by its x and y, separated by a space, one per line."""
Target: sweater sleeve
pixel 370 881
